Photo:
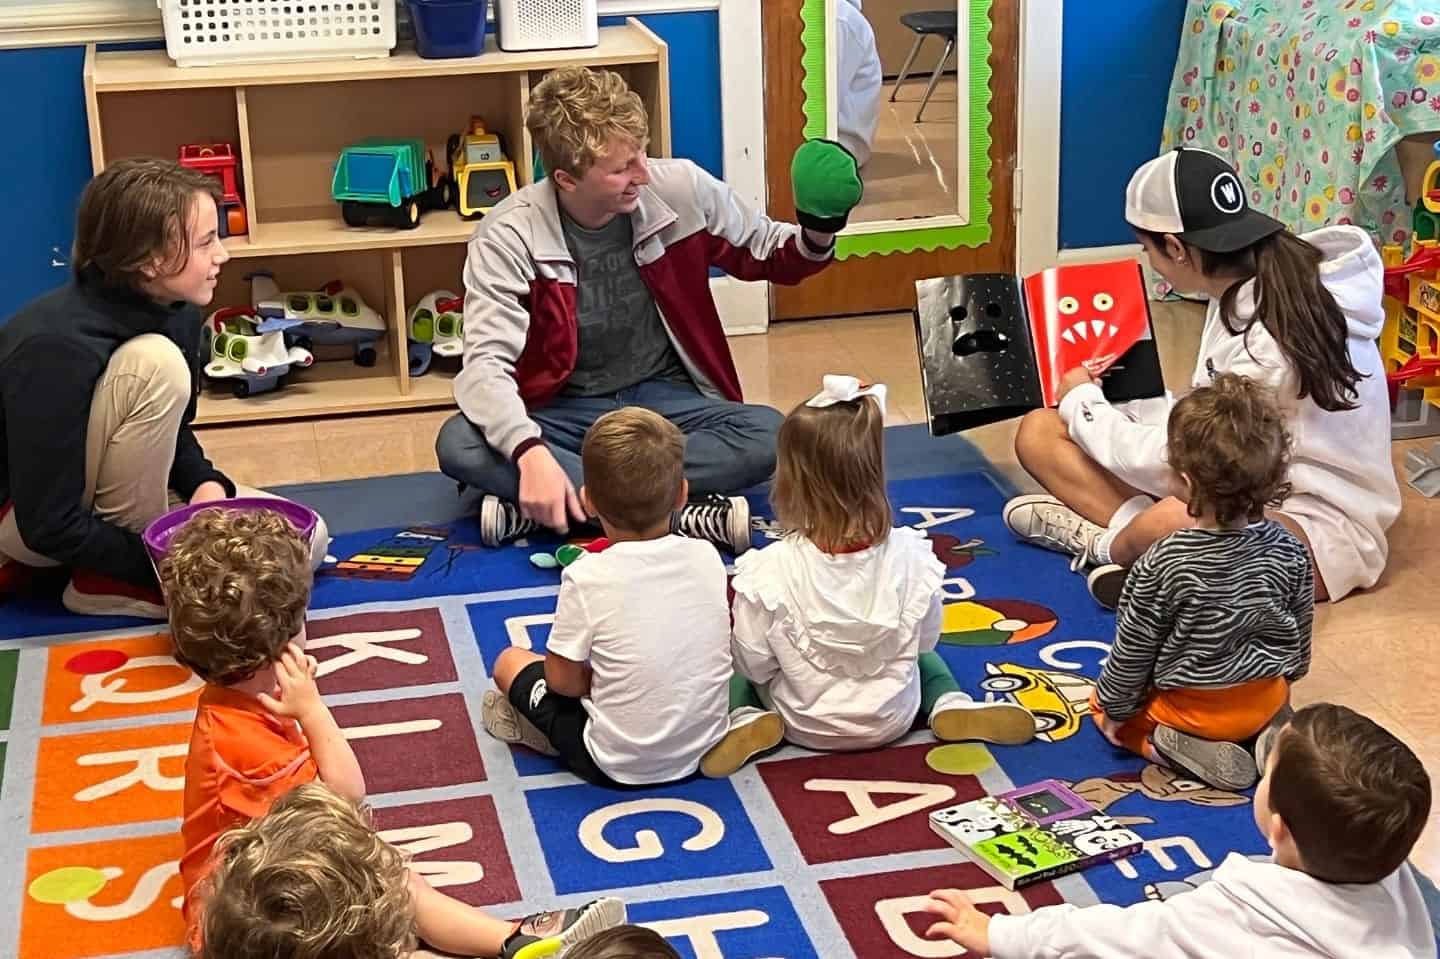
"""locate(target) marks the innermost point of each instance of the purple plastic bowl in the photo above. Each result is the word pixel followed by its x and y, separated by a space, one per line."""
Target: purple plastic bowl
pixel 157 535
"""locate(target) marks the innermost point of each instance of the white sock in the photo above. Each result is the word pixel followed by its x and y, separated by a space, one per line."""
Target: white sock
pixel 954 698
pixel 1127 512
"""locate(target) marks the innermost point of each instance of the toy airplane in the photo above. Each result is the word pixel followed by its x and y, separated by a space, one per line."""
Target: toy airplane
pixel 239 351
pixel 333 316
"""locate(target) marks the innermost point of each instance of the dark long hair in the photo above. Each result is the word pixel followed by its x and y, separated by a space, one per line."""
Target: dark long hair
pixel 1294 306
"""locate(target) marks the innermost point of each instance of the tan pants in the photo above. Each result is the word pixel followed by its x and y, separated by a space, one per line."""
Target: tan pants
pixel 130 445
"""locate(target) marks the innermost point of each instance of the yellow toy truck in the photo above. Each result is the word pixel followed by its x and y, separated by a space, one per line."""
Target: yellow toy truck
pixel 479 169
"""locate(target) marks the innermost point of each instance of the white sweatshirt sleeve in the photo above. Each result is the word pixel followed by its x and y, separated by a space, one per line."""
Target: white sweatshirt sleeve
pixel 1159 930
pixel 750 640
pixel 1131 450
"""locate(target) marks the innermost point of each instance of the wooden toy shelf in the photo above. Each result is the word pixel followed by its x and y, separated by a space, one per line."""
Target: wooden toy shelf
pixel 289 122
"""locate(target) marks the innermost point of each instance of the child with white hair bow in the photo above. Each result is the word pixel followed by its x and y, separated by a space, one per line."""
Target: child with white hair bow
pixel 835 625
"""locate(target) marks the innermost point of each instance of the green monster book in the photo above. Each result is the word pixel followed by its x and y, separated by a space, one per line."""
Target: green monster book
pixel 1032 834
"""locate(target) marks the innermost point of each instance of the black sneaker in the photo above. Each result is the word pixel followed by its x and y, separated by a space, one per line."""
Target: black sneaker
pixel 500 521
pixel 551 933
pixel 1223 765
pixel 1106 583
pixel 723 520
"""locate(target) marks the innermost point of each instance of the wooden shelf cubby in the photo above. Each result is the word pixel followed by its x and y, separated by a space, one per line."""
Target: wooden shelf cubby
pixel 289 121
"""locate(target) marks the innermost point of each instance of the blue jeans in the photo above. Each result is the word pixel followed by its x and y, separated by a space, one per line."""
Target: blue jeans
pixel 728 446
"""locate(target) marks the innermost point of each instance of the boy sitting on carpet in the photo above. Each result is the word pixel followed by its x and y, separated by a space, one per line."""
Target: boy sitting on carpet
pixel 1213 623
pixel 311 879
pixel 237 584
pixel 632 689
pixel 1341 805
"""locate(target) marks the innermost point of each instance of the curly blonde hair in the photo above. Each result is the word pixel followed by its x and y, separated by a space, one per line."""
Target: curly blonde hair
pixel 576 113
pixel 236 584
pixel 308 880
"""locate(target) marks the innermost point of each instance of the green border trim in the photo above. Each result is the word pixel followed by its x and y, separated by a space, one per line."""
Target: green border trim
pixel 813 90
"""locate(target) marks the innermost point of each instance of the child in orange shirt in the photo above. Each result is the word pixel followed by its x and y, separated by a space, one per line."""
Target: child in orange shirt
pixel 237 584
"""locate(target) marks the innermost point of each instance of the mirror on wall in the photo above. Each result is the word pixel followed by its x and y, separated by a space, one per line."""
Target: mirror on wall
pixel 897 95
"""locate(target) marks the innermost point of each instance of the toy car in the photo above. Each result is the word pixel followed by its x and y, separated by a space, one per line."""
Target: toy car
pixel 388 183
pixel 433 328
pixel 332 316
pixel 240 351
pixel 478 168
pixel 219 160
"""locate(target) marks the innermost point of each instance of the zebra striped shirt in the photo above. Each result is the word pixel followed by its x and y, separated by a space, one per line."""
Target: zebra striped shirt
pixel 1210 608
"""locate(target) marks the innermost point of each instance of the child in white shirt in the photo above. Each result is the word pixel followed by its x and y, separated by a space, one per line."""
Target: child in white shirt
pixel 1342 803
pixel 836 624
pixel 632 689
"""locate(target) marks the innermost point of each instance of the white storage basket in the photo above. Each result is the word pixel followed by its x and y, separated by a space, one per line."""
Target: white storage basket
pixel 546 24
pixel 208 32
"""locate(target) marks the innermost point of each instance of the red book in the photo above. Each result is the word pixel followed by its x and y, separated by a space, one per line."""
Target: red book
pixel 994 346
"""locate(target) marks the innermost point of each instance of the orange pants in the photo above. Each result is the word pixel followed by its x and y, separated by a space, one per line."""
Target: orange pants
pixel 1232 714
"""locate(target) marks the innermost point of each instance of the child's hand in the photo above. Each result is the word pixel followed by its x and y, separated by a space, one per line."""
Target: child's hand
pixel 960 921
pixel 1109 728
pixel 1079 376
pixel 296 695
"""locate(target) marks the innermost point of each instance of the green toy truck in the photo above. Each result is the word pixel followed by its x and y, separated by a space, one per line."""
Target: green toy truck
pixel 382 182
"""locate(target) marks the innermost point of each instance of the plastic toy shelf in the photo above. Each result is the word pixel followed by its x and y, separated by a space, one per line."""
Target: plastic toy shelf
pixel 289 123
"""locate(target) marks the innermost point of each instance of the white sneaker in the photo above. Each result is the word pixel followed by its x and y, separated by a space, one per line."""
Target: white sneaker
pixel 752 732
pixel 956 717
pixel 1042 520
pixel 505 723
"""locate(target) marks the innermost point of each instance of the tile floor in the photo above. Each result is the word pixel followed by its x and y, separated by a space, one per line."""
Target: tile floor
pixel 1376 651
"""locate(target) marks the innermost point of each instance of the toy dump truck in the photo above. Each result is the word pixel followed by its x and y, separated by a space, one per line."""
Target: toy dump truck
pixel 388 183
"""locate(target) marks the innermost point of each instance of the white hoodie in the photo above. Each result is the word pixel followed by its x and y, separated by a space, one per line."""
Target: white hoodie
pixel 832 640
pixel 1249 909
pixel 1345 495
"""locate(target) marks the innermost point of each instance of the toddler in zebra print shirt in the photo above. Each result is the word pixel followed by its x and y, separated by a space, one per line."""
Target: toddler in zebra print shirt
pixel 1213 624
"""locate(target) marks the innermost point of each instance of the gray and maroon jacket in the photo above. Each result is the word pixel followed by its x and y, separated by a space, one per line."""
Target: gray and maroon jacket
pixel 520 325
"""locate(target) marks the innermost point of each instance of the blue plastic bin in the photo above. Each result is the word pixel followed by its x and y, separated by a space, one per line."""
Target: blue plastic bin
pixel 448 28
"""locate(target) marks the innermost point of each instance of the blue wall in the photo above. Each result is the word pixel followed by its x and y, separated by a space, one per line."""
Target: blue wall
pixel 1115 78
pixel 46 157
pixel 45 162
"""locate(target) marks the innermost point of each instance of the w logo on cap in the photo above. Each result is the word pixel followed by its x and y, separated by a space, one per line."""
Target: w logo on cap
pixel 1226 193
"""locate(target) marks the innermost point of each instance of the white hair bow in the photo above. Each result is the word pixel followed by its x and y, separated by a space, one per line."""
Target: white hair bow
pixel 836 388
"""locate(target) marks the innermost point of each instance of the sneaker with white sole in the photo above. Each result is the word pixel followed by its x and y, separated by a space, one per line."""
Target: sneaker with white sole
pixel 553 933
pixel 93 594
pixel 500 521
pixel 956 717
pixel 505 723
pixel 1042 520
pixel 723 520
pixel 1106 583
pixel 1217 763
pixel 752 732
pixel 1266 739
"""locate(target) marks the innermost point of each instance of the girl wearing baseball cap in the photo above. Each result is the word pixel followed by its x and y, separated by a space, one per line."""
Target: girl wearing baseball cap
pixel 1299 314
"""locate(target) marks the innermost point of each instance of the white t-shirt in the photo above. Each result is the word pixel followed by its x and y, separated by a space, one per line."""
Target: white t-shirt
pixel 832 640
pixel 652 619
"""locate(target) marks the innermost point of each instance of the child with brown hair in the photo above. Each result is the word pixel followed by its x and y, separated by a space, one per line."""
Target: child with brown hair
pixel 1341 805
pixel 98 381
pixel 311 879
pixel 835 625
pixel 237 583
pixel 1214 621
pixel 631 689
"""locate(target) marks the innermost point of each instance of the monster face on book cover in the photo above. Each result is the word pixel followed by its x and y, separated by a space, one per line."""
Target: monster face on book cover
pixel 1034 833
pixel 994 346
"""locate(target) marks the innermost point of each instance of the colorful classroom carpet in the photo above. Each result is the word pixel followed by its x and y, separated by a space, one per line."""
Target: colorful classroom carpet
pixel 800 855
